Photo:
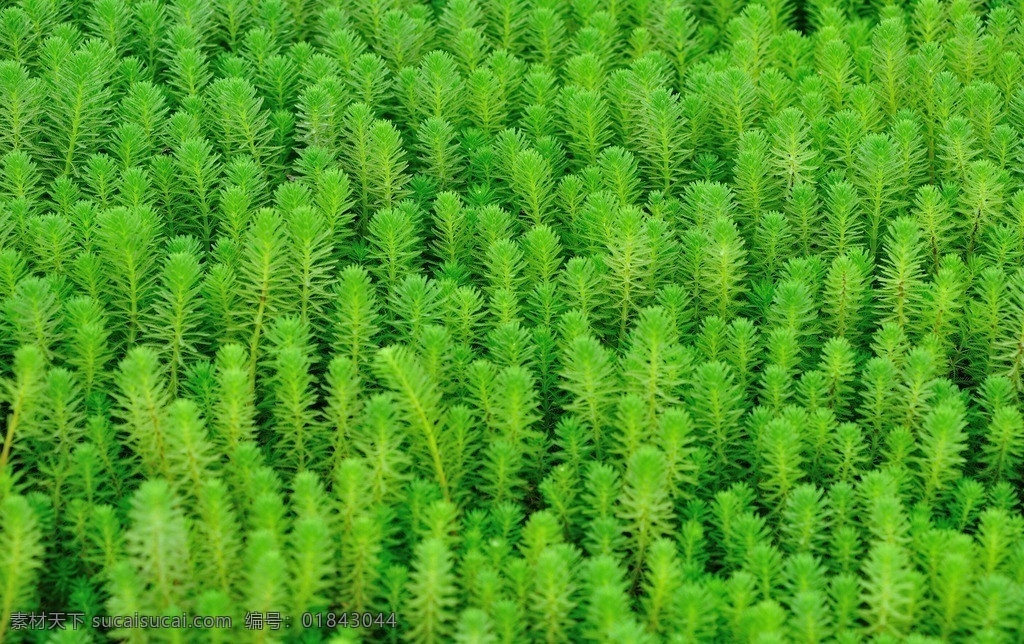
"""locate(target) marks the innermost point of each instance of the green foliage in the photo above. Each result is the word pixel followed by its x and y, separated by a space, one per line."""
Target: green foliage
pixel 521 321
pixel 23 548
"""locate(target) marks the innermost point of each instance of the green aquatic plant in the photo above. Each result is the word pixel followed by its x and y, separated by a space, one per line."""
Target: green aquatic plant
pixel 507 320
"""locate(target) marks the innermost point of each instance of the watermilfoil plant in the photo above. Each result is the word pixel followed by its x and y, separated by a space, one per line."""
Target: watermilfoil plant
pixel 512 320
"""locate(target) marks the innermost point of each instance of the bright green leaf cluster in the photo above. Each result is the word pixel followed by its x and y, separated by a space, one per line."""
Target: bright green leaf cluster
pixel 521 320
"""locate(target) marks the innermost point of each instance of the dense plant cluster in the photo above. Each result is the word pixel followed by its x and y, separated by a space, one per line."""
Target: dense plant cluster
pixel 549 320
